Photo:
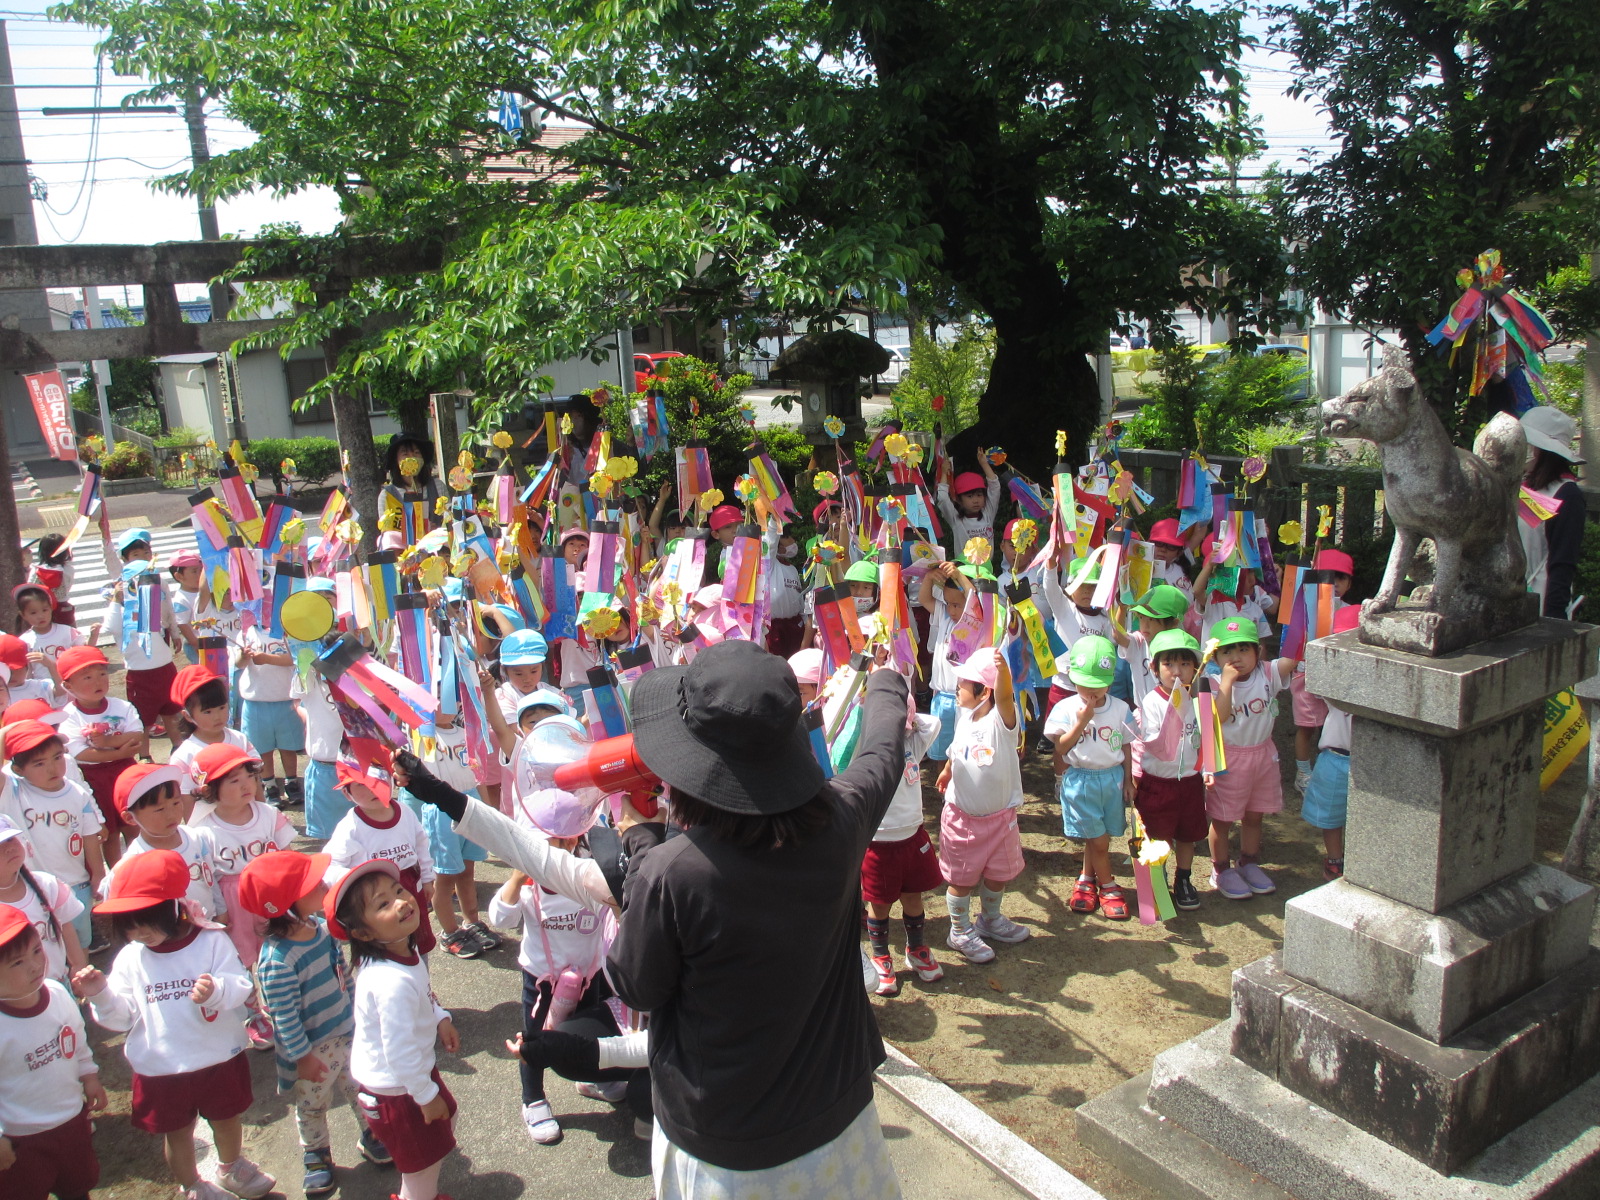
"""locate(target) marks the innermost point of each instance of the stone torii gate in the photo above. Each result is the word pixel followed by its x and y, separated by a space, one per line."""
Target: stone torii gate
pixel 158 269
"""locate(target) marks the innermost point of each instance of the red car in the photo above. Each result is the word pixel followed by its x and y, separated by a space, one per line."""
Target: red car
pixel 644 366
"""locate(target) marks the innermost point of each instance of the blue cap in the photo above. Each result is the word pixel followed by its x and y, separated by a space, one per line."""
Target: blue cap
pixel 132 537
pixel 524 648
pixel 318 584
pixel 511 615
pixel 455 590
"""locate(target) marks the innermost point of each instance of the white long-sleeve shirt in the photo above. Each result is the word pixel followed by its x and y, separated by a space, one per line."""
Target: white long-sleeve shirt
pixel 397 1019
pixel 964 527
pixel 357 838
pixel 147 996
pixel 579 879
pixel 558 933
pixel 44 1055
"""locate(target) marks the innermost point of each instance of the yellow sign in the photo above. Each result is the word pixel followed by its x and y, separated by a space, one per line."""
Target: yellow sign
pixel 1566 735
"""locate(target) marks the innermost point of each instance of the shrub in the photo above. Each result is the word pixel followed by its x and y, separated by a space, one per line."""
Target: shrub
pixel 1225 402
pixel 315 458
pixel 691 385
pixel 184 435
pixel 958 371
pixel 127 460
pixel 143 420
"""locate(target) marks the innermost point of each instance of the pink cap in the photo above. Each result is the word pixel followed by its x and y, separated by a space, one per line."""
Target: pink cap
pixel 569 534
pixel 1165 533
pixel 391 539
pixel 724 515
pixel 967 481
pixel 1334 560
pixel 980 668
pixel 807 666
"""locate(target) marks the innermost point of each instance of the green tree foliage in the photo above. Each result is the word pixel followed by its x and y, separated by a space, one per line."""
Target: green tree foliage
pixel 1462 127
pixel 701 405
pixel 1221 403
pixel 958 371
pixel 1048 166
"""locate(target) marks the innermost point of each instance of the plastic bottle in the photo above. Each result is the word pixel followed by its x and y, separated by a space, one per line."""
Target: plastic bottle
pixel 563 997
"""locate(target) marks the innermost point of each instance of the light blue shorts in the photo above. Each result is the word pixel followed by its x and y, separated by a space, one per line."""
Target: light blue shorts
pixel 943 707
pixel 1091 803
pixel 81 923
pixel 1328 794
pixel 1122 682
pixel 326 805
pixel 274 725
pixel 451 852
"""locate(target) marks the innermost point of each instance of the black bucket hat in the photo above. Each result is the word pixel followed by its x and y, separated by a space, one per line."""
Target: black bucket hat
pixel 727 729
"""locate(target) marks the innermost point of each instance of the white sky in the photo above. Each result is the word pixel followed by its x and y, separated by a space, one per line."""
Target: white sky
pixel 110 200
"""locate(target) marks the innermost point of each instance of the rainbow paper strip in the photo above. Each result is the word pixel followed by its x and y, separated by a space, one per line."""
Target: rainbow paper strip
pixel 530 601
pixel 1291 585
pixel 1533 508
pixel 819 741
pixel 892 597
pixel 600 567
pixel 971 628
pixel 383 583
pixel 769 482
pixel 1028 498
pixel 214 655
pixel 207 518
pixel 244 572
pixel 334 512
pixel 836 648
pixel 607 702
pixel 503 493
pixel 1033 628
pixel 694 475
pixel 563 619
pixel 1211 757
pixel 539 487
pixel 552 434
pixel 416 657
pixel 287 579
pixel 279 512
pixel 238 495
pixel 742 575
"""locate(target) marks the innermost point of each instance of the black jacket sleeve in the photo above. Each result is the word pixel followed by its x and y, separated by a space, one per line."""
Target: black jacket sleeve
pixel 1564 538
pixel 868 784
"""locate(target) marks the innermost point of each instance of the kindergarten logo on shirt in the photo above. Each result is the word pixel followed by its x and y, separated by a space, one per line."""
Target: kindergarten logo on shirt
pixel 63 1045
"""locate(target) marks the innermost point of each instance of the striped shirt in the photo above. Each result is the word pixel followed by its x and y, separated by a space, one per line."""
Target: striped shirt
pixel 307 994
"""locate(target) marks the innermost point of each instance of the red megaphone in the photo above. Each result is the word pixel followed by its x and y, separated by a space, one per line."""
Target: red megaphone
pixel 613 765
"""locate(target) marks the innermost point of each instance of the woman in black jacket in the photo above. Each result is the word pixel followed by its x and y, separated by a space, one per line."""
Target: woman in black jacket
pixel 1553 547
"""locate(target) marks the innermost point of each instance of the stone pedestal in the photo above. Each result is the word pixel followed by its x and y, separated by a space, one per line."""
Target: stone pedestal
pixel 1435 1015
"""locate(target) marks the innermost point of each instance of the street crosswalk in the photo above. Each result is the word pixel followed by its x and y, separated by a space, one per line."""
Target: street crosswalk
pixel 91 581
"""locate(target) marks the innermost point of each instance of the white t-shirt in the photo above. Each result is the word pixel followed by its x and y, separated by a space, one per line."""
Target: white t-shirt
pixel 234 847
pixel 577 936
pixel 136 654
pixel 1108 731
pixel 55 823
pixel 1255 706
pixel 1336 730
pixel 1169 741
pixel 50 643
pixel 985 773
pixel 185 606
pixel 904 816
pixel 1171 574
pixel 1254 609
pixel 76 725
pixel 576 659
pixel 788 596
pixel 324 729
pixel 147 994
pixel 396 1023
pixel 942 678
pixel 44 1055
pixel 1137 654
pixel 402 840
pixel 183 757
pixel 196 848
pixel 450 758
pixel 259 681
pixel 60 901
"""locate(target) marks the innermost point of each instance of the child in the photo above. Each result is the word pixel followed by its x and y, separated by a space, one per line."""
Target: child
pixel 203 698
pixel 151 801
pixel 378 827
pixel 1250 788
pixel 148 658
pixel 304 989
pixel 901 864
pixel 178 991
pixel 325 803
pixel 1310 711
pixel 1163 607
pixel 1169 546
pixel 977 500
pixel 453 855
pixel 62 821
pixel 861 581
pixel 102 732
pixel 44 637
pixel 188 602
pixel 1170 795
pixel 15 685
pixel 787 606
pixel 266 674
pixel 54 570
pixel 240 828
pixel 49 1084
pixel 522 658
pixel 1093 758
pixel 982 784
pixel 1327 793
pixel 562 951
pixel 48 902
pixel 1075 617
pixel 402 1098
pixel 944 594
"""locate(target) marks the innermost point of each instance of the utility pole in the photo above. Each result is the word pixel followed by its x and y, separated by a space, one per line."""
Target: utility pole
pixel 100 368
pixel 194 116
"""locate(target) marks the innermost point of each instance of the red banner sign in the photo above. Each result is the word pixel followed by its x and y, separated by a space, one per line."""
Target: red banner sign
pixel 48 391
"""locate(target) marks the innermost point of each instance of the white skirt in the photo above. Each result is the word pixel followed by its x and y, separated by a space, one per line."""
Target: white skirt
pixel 854 1166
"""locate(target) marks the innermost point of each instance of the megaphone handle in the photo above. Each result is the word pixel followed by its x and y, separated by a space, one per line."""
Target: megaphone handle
pixel 646 803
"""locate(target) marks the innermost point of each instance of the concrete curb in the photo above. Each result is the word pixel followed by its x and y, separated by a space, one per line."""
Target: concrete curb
pixel 1007 1155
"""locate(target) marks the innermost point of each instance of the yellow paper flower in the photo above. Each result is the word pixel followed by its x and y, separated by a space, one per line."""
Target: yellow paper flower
pixel 348 531
pixel 977 550
pixel 411 466
pixel 1023 534
pixel 431 572
pixel 248 472
pixel 1324 520
pixel 1291 533
pixel 507 561
pixel 465 459
pixel 826 483
pixel 293 532
pixel 501 440
pixel 286 467
pixel 649 614
pixel 709 499
pixel 462 563
pixel 622 467
pixel 828 551
pixel 389 522
pixel 913 455
pixel 896 446
pixel 833 427
pixel 602 622
pixel 672 593
pixel 461 479
pixel 566 424
pixel 441 505
pixel 745 488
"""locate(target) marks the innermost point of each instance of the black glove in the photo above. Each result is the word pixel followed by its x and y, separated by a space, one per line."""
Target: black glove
pixel 429 788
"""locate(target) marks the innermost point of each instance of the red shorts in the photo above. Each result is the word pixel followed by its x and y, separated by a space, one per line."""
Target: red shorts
pixel 397 1122
pixel 151 692
pixel 1173 810
pixel 783 635
pixel 891 869
pixel 163 1103
pixel 1057 695
pixel 59 1160
pixel 102 780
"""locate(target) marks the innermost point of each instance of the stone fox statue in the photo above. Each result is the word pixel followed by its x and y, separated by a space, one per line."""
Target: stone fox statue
pixel 1464 502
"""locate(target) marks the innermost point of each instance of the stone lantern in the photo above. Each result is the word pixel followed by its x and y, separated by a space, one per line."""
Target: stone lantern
pixel 827 369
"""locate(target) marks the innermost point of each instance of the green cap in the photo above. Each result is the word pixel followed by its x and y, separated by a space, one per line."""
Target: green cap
pixel 1173 639
pixel 1163 602
pixel 1235 631
pixel 1093 662
pixel 1079 572
pixel 864 571
pixel 978 571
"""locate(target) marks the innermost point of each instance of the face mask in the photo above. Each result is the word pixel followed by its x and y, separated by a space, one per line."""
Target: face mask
pixel 863 604
pixel 786 554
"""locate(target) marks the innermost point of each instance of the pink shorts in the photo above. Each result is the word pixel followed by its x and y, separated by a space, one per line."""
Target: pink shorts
pixel 1251 784
pixel 972 849
pixel 1310 710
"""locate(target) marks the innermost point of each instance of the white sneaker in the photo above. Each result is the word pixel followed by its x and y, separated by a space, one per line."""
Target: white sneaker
pixel 614 1092
pixel 243 1178
pixel 967 943
pixel 541 1122
pixel 1302 780
pixel 1001 928
pixel 203 1189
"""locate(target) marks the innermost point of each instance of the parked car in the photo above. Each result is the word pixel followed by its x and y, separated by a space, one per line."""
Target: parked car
pixel 899 361
pixel 644 366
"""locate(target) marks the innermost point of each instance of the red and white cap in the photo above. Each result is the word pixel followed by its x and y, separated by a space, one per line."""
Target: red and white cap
pixel 22 736
pixel 336 892
pixel 139 781
pixel 75 658
pixel 13 653
pixel 189 681
pixel 32 709
pixel 274 882
pixel 146 879
pixel 216 761
pixel 13 923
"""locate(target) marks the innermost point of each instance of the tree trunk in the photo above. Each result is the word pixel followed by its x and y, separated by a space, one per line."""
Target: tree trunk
pixel 353 427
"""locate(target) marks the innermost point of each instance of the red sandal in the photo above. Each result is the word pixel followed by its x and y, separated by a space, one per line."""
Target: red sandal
pixel 1085 897
pixel 1111 902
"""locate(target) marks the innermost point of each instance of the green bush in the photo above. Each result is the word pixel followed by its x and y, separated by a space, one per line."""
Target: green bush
pixel 1564 381
pixel 143 420
pixel 958 371
pixel 1223 402
pixel 1586 582
pixel 184 435
pixel 718 422
pixel 315 458
pixel 127 460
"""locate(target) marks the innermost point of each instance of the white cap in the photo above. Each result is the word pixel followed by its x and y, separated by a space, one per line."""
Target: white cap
pixel 1551 429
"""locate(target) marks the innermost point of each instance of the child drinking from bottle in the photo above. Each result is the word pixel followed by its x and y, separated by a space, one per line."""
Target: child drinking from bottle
pixel 1169 793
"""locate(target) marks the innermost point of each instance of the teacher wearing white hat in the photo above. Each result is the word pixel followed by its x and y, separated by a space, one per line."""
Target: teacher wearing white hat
pixel 1552 547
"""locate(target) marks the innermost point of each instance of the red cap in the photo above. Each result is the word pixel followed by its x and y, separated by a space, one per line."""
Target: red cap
pixel 189 681
pixel 13 921
pixel 819 514
pixel 25 735
pixel 273 882
pixel 1347 618
pixel 138 781
pixel 347 773
pixel 967 481
pixel 1165 533
pixel 13 652
pixel 147 879
pixel 216 761
pixel 330 902
pixel 184 558
pixel 75 658
pixel 1334 560
pixel 724 515
pixel 23 588
pixel 31 710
